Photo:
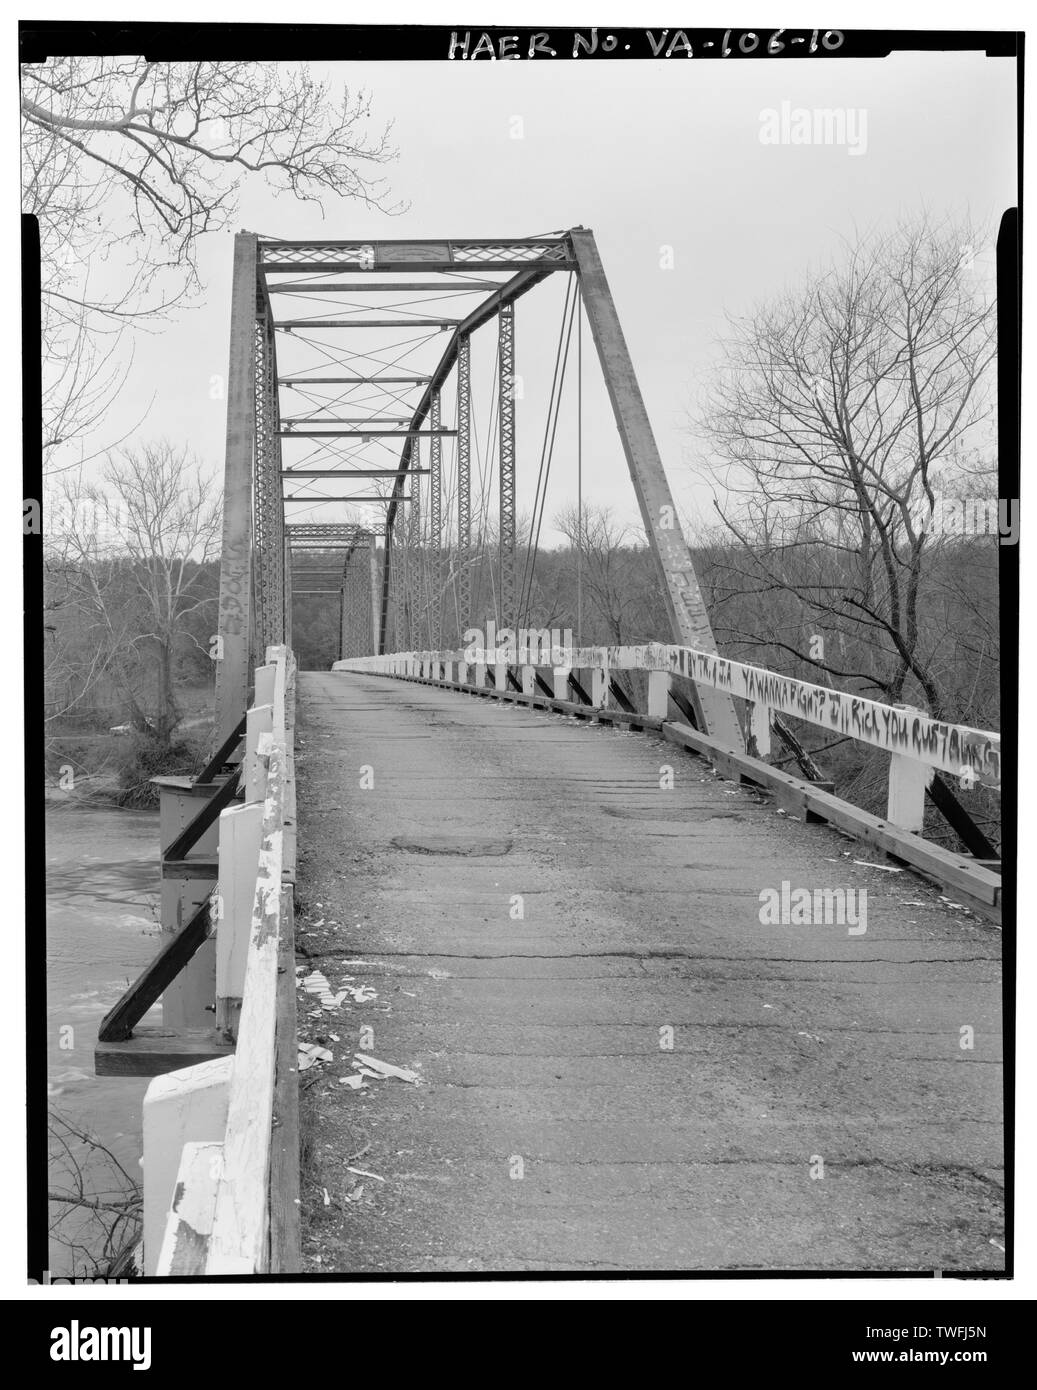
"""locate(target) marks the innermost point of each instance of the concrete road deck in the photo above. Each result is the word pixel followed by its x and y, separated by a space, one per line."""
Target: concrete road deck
pixel 637 1074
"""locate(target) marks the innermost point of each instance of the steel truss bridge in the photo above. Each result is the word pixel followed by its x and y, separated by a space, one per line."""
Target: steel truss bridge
pixel 359 311
pixel 349 381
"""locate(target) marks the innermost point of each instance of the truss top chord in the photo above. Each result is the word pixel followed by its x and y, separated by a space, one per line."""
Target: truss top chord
pixel 470 254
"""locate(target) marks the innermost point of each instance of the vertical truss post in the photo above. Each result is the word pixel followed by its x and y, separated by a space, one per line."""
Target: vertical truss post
pixel 344 596
pixel 232 668
pixel 393 556
pixel 358 616
pixel 267 502
pixel 464 484
pixel 403 583
pixel 689 619
pixel 506 356
pixel 355 606
pixel 386 591
pixel 345 650
pixel 414 565
pixel 276 488
pixel 376 606
pixel 435 480
pixel 287 587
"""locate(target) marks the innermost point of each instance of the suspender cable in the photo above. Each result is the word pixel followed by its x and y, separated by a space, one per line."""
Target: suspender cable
pixel 579 468
pixel 527 583
pixel 556 403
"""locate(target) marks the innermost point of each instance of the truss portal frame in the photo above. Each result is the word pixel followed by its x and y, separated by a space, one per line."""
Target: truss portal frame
pixel 255 580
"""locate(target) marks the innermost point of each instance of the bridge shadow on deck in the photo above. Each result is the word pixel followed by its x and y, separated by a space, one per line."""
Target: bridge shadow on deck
pixel 621 1067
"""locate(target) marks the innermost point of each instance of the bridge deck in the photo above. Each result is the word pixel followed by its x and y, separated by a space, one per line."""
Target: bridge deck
pixel 539 1040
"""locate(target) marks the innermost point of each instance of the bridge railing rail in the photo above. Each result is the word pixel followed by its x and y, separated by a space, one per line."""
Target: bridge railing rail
pixel 918 745
pixel 210 1125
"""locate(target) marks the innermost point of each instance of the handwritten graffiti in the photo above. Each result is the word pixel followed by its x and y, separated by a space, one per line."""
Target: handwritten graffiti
pixel 953 748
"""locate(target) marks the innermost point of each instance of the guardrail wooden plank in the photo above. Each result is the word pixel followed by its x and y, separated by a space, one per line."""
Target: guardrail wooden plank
pixel 184 1107
pixel 285 1214
pixel 240 1225
pixel 258 721
pixel 241 835
pixel 263 680
pixel 220 1217
pixel 185 1244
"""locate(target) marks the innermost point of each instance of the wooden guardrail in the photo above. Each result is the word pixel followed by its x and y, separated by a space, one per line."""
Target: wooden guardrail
pixel 220 1181
pixel 918 745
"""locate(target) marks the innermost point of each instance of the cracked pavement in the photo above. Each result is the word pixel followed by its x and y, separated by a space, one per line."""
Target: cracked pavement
pixel 636 1074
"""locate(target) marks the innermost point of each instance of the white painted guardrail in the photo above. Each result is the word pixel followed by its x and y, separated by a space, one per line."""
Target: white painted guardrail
pixel 918 744
pixel 207 1128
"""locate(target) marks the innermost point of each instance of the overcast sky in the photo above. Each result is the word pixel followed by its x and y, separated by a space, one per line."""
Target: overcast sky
pixel 648 155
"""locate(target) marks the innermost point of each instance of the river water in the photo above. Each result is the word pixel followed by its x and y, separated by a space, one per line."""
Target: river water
pixel 102 929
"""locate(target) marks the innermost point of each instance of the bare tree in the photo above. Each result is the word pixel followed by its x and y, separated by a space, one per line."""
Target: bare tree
pixel 838 414
pixel 126 572
pixel 127 163
pixel 620 593
pixel 89 620
pixel 95 1204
